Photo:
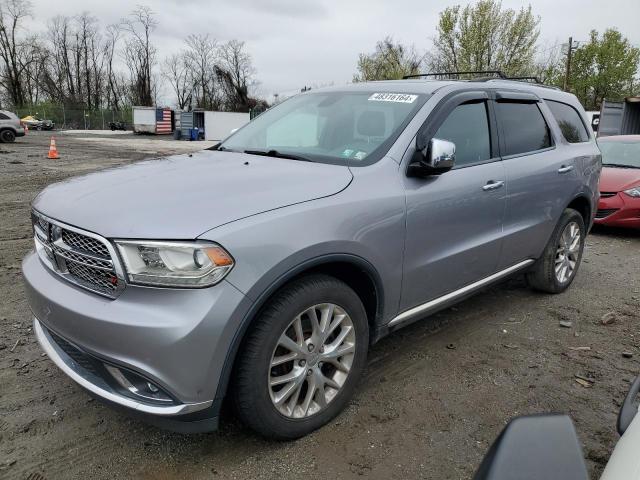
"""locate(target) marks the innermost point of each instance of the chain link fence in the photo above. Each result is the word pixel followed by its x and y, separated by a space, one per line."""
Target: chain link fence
pixel 77 118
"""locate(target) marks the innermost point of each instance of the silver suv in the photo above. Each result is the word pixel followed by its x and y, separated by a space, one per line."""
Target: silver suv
pixel 262 269
pixel 10 127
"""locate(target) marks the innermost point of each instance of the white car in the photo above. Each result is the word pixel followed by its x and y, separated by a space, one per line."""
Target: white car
pixel 625 459
pixel 546 447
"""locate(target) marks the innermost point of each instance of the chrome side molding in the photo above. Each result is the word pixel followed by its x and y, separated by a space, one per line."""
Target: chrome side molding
pixel 434 304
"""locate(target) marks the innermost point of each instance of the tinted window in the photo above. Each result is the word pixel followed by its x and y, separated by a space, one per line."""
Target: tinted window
pixel 467 126
pixel 524 127
pixel 3 117
pixel 568 119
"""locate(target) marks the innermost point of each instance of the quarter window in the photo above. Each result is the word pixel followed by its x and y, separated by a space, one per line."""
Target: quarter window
pixel 569 121
pixel 523 126
pixel 3 117
pixel 468 127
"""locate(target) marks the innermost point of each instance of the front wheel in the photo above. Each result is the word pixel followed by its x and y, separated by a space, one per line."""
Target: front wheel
pixel 554 271
pixel 302 359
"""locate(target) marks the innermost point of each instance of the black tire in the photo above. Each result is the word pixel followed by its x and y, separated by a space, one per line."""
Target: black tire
pixel 542 275
pixel 251 390
pixel 7 136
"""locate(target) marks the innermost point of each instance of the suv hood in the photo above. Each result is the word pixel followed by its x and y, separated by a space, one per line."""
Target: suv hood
pixel 181 197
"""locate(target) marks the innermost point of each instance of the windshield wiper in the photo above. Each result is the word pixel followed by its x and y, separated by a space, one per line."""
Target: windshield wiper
pixel 218 146
pixel 277 154
pixel 618 165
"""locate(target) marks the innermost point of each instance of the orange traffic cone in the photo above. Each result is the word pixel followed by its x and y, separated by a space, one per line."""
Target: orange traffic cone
pixel 53 151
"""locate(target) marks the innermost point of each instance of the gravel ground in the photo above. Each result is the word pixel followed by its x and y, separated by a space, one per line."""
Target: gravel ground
pixel 435 395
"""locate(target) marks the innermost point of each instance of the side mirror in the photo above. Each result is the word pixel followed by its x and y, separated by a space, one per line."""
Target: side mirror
pixel 437 157
pixel 535 447
pixel 629 410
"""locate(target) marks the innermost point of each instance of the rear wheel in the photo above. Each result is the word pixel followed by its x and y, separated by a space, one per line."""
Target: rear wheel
pixel 7 136
pixel 557 267
pixel 302 359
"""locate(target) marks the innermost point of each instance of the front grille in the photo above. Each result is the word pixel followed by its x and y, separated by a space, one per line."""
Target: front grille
pixel 84 243
pixel 605 212
pixel 80 258
pixel 93 278
pixel 607 194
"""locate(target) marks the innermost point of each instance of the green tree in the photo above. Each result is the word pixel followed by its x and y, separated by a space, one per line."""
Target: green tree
pixel 389 61
pixel 604 67
pixel 484 36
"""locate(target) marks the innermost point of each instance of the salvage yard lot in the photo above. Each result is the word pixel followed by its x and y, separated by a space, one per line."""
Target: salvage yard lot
pixel 435 395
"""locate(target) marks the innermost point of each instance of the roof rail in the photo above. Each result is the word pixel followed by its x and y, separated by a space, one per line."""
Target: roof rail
pixel 496 73
pixel 532 79
pixel 490 75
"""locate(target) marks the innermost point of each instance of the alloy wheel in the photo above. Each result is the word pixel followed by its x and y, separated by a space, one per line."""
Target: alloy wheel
pixel 567 252
pixel 312 360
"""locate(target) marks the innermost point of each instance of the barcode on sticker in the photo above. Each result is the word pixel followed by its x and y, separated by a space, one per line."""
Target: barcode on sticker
pixel 393 97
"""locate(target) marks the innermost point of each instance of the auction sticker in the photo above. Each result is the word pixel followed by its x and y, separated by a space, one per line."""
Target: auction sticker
pixel 393 97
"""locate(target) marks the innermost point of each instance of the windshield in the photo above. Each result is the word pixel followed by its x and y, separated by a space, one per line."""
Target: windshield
pixel 617 153
pixel 355 128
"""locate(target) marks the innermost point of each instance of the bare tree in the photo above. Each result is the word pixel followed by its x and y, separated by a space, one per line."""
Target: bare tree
pixel 176 70
pixel 15 53
pixel 139 53
pixel 201 53
pixel 235 73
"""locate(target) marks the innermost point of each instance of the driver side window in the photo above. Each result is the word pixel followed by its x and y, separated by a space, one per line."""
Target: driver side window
pixel 468 127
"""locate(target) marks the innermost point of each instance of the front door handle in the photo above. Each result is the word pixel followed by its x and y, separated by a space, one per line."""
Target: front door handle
pixel 565 168
pixel 493 185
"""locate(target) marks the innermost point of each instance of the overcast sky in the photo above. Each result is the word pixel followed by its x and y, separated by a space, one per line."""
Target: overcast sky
pixel 296 42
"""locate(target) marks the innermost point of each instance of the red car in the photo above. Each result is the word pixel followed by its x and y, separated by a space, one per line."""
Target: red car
pixel 619 204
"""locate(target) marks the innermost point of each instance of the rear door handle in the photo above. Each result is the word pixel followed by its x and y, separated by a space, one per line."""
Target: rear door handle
pixel 493 185
pixel 565 168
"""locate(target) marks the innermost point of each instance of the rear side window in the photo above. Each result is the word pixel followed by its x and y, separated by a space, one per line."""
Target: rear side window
pixel 468 127
pixel 523 126
pixel 3 116
pixel 569 121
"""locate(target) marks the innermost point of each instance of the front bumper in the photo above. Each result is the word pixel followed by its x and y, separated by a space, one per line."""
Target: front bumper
pixel 619 210
pixel 178 339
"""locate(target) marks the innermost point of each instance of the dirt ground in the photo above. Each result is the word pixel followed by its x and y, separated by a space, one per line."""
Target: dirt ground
pixel 435 395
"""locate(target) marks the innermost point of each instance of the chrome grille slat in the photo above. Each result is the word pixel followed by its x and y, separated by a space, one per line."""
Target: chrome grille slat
pixel 99 259
pixel 82 242
pixel 83 259
pixel 86 261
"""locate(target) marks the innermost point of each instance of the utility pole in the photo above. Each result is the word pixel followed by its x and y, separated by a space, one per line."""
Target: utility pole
pixel 568 71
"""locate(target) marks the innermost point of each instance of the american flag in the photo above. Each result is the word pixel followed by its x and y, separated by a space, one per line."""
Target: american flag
pixel 163 121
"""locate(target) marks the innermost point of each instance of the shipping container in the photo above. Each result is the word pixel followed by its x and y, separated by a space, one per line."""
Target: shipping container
pixel 620 118
pixel 190 120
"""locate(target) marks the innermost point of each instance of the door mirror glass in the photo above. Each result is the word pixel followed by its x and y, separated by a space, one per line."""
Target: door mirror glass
pixel 436 158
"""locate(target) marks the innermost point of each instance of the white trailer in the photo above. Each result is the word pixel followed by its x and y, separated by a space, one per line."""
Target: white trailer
pixel 219 125
pixel 144 119
pixel 157 120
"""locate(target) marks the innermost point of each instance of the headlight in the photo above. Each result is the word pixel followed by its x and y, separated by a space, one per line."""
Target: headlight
pixel 174 264
pixel 633 192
